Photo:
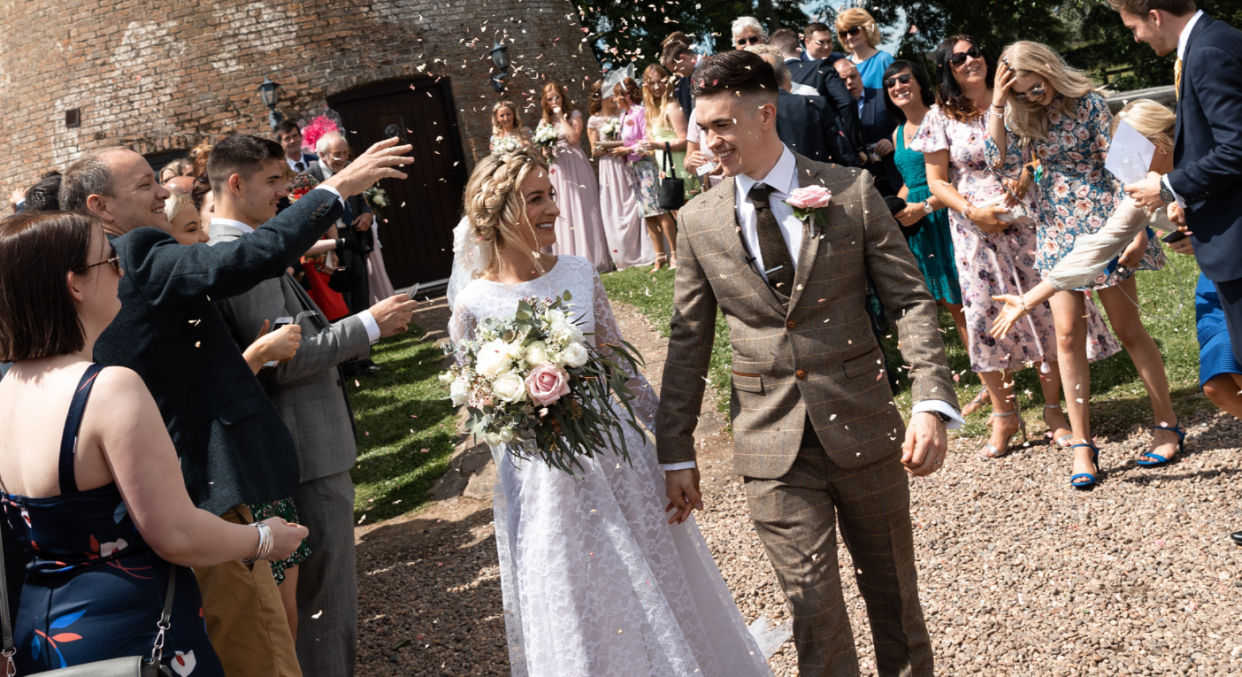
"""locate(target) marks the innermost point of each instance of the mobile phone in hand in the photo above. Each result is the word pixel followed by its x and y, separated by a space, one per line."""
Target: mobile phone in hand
pixel 280 322
pixel 1175 236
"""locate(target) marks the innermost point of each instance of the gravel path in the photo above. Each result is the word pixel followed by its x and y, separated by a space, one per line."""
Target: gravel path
pixel 1019 573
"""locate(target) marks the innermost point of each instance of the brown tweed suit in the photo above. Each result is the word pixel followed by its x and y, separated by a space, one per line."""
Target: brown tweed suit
pixel 814 358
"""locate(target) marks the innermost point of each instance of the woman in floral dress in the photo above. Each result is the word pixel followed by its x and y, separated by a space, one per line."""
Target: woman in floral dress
pixel 636 150
pixel 991 255
pixel 1051 112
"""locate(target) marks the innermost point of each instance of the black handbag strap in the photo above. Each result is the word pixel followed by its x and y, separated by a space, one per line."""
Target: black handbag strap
pixel 4 602
pixel 669 167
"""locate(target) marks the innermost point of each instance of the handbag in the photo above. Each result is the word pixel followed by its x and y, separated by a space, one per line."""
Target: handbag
pixel 130 666
pixel 672 189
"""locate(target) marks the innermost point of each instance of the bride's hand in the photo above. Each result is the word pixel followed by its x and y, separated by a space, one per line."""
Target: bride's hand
pixel 682 487
pixel 1013 311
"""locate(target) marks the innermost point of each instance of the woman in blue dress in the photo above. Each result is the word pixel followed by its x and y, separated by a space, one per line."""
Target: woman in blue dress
pixel 1220 375
pixel 860 36
pixel 94 492
pixel 1043 109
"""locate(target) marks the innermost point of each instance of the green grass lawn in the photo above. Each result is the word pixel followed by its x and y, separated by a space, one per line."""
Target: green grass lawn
pixel 406 428
pixel 1118 398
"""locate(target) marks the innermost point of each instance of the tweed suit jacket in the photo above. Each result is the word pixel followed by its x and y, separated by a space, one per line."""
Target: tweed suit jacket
pixel 816 357
pixel 308 391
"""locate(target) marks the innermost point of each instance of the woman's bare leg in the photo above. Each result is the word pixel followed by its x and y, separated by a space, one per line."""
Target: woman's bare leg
pixel 655 231
pixel 1068 309
pixel 289 598
pixel 1225 391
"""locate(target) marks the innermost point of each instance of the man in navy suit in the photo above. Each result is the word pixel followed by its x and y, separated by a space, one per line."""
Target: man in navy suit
pixel 233 445
pixel 289 134
pixel 818 39
pixel 1203 187
pixel 876 127
pixel 819 75
pixel 803 123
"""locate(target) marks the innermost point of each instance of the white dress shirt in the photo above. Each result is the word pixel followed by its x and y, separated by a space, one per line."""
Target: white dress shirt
pixel 368 320
pixel 1182 39
pixel 783 178
pixel 293 164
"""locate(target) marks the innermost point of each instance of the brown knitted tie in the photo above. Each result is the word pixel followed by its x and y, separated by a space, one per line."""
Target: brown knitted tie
pixel 776 259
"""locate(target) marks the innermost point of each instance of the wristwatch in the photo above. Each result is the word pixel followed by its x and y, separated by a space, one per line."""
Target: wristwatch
pixel 944 418
pixel 1166 194
pixel 927 208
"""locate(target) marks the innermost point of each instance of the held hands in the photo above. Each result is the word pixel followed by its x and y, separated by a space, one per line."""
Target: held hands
pixel 375 164
pixel 280 345
pixel 926 445
pixel 1146 193
pixel 287 537
pixel 1014 310
pixel 393 314
pixel 682 487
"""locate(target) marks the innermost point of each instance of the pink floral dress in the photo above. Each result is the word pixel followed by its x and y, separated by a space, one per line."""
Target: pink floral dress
pixel 1075 195
pixel 991 264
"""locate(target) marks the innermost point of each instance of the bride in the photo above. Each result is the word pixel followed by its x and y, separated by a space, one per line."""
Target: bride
pixel 596 581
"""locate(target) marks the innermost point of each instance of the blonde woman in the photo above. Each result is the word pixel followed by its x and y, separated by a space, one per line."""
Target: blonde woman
pixel 596 580
pixel 185 224
pixel 860 36
pixel 580 229
pixel 507 124
pixel 1042 108
pixel 666 124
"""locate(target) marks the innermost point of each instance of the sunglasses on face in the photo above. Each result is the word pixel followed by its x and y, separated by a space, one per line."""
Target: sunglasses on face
pixel 851 31
pixel 959 58
pixel 1029 95
pixel 822 43
pixel 752 40
pixel 904 79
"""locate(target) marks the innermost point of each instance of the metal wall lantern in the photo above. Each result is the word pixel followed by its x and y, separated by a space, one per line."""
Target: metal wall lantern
pixel 269 96
pixel 500 58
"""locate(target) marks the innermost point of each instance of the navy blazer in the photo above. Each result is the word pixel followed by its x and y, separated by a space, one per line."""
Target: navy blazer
pixel 1207 152
pixel 877 125
pixel 233 445
pixel 824 78
pixel 804 124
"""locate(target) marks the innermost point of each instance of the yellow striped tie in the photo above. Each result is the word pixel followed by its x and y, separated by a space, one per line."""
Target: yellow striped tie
pixel 1177 79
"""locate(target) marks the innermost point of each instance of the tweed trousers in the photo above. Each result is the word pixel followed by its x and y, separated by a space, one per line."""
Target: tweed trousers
pixel 797 516
pixel 328 580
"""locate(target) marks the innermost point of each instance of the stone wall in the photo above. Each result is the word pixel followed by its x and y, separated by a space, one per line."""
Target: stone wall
pixel 161 76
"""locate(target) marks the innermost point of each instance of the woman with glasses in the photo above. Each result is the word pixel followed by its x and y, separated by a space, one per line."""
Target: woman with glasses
pixel 860 36
pixel 748 31
pixel 908 98
pixel 993 247
pixel 1043 108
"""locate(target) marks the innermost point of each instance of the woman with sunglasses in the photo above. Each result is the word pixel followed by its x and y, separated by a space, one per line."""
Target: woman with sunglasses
pixel 860 36
pixel 748 31
pixel 992 247
pixel 1044 108
pixel 908 98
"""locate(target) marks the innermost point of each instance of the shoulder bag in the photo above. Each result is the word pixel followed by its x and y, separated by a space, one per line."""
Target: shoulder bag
pixel 672 189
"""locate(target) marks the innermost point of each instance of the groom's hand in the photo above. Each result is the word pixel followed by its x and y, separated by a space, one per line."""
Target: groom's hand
pixel 926 445
pixel 683 493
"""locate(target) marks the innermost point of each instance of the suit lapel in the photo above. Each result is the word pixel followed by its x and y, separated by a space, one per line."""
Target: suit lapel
pixel 808 175
pixel 1200 26
pixel 735 244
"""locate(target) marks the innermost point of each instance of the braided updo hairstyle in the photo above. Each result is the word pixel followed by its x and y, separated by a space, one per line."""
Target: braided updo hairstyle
pixel 494 203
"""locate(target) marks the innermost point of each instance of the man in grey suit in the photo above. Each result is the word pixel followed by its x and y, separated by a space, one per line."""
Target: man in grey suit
pixel 311 397
pixel 817 436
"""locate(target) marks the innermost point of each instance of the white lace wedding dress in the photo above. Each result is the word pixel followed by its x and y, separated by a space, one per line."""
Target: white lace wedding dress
pixel 596 582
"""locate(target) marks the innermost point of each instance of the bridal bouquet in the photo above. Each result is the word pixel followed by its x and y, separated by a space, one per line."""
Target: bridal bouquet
pixel 506 145
pixel 610 129
pixel 546 137
pixel 535 384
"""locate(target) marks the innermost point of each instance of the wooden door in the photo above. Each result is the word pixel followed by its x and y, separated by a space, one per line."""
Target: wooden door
pixel 424 208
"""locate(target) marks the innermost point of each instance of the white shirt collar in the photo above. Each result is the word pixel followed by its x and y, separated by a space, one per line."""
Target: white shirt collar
pixel 783 177
pixel 236 224
pixel 1185 36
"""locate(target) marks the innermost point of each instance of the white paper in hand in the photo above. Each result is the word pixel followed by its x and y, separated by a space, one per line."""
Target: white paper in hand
pixel 1129 155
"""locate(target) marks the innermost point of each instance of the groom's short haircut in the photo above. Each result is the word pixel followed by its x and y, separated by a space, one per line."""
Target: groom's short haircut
pixel 240 154
pixel 736 72
pixel 1177 8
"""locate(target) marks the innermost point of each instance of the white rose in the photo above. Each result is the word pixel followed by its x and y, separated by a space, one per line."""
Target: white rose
pixel 567 332
pixel 493 358
pixel 505 435
pixel 459 392
pixel 446 377
pixel 492 439
pixel 509 387
pixel 536 353
pixel 575 355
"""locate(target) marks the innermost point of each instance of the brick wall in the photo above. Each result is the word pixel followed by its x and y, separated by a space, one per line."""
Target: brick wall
pixel 162 76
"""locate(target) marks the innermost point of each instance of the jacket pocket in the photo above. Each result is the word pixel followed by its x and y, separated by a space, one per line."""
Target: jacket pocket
pixel 241 410
pixel 857 366
pixel 751 383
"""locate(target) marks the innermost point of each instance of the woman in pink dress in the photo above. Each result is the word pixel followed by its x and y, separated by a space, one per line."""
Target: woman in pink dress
pixel 637 152
pixel 618 201
pixel 580 227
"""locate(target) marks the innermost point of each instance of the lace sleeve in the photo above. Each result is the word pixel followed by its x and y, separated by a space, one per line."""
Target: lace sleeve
pixel 461 325
pixel 646 402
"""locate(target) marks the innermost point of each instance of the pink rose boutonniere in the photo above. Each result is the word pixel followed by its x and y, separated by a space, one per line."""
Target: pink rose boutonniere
pixel 807 203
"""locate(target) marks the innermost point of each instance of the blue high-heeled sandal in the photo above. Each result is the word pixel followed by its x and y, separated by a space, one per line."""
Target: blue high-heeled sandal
pixel 1091 478
pixel 1157 459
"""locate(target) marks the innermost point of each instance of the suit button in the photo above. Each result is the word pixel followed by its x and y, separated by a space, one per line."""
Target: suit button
pixel 791 325
pixel 801 373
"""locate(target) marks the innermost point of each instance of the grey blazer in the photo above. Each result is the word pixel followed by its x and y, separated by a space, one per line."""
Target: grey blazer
pixel 308 391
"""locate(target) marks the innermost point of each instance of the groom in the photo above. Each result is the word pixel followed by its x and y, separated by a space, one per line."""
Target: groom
pixel 817 436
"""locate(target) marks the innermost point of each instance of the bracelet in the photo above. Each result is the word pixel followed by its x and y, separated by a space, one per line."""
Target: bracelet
pixel 996 106
pixel 998 115
pixel 266 543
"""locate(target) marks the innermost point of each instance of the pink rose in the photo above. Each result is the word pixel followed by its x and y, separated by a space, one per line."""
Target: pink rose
pixel 809 197
pixel 547 383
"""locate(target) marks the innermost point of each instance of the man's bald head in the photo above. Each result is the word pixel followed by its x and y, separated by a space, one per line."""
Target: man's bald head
pixel 117 185
pixel 334 151
pixel 849 73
